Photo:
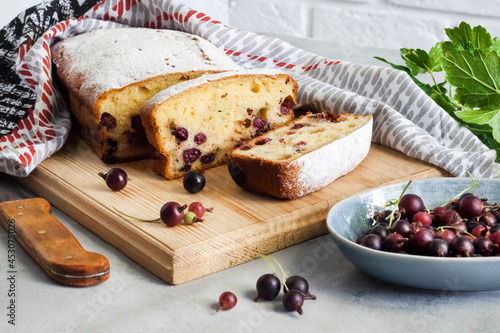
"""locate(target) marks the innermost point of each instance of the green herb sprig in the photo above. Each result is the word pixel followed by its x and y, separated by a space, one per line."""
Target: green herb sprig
pixel 470 92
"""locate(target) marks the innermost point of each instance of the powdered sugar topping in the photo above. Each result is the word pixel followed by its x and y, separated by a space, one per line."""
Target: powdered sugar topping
pixel 204 79
pixel 114 58
pixel 322 166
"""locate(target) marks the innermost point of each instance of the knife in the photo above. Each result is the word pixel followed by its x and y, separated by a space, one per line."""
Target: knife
pixel 48 241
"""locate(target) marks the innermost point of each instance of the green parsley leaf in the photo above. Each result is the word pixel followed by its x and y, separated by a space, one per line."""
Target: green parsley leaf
pixel 481 39
pixel 475 117
pixel 471 62
pixel 435 54
pixel 395 66
pixel 419 61
pixel 415 61
pixel 495 45
pixel 445 103
pixel 476 77
pixel 466 38
pixel 495 125
pixel 491 118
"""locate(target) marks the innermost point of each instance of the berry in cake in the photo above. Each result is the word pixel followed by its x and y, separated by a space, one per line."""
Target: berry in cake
pixel 195 124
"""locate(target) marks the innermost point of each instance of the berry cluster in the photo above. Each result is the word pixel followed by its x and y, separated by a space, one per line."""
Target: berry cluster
pixel 295 289
pixel 172 214
pixel 465 226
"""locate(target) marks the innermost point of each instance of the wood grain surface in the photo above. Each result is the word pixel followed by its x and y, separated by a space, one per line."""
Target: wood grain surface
pixel 51 244
pixel 242 226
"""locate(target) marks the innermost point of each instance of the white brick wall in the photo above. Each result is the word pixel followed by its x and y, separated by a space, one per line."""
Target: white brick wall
pixel 388 24
pixel 284 17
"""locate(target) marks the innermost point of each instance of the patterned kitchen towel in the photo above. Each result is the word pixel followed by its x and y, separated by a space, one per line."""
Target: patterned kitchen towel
pixel 35 121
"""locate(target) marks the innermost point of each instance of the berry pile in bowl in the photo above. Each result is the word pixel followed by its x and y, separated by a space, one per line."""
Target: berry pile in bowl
pixel 413 234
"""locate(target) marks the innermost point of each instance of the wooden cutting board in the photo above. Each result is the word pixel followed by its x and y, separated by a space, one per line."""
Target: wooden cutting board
pixel 242 226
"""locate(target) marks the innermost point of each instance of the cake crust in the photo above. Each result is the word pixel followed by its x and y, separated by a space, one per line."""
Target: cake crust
pixel 304 173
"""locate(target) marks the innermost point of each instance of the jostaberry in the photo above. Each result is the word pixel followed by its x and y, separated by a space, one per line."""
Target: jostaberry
pixel 172 213
pixel 484 246
pixel 200 138
pixel 438 247
pixel 200 210
pixel 449 217
pixel 116 179
pixel 436 214
pixel 293 301
pixel 422 217
pixel 495 239
pixel 297 282
pixel 402 227
pixel 194 181
pixel 419 241
pixel 470 206
pixel 394 243
pixel 463 227
pixel 372 241
pixel 480 231
pixel 411 204
pixel 268 287
pixel 462 247
pixel 108 121
pixel 227 301
pixel 380 230
pixel 495 228
pixel 488 218
pixel 447 234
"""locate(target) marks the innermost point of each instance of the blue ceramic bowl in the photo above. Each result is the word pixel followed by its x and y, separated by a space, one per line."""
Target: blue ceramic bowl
pixel 348 220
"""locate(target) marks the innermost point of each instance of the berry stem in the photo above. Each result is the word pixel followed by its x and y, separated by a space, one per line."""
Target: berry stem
pixel 308 295
pixel 282 272
pixel 390 203
pixel 474 185
pixel 268 262
pixel 395 203
pixel 452 227
pixel 135 218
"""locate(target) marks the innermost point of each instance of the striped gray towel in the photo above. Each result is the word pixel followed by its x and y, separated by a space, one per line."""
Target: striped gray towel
pixel 405 118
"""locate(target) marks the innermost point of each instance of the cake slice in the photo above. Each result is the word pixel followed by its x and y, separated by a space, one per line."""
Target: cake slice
pixel 302 157
pixel 110 73
pixel 195 124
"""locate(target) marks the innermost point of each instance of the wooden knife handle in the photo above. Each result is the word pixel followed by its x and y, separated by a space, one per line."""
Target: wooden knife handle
pixel 52 246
